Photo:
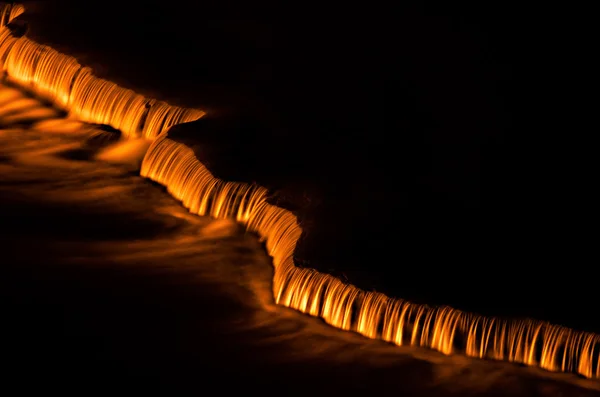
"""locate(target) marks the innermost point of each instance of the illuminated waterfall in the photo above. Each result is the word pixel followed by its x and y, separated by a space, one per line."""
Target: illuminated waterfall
pixel 60 79
pixel 8 12
pixel 68 85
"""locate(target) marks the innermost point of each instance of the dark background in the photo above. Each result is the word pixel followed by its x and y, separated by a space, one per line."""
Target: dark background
pixel 429 153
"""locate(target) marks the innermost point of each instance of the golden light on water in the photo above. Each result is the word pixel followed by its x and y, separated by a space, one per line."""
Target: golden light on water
pixel 344 306
pixel 72 87
pixel 63 81
pixel 8 12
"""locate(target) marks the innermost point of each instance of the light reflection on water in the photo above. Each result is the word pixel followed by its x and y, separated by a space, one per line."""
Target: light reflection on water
pixel 126 224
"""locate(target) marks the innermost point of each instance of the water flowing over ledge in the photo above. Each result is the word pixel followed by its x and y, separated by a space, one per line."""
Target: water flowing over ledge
pixel 68 85
pixel 61 80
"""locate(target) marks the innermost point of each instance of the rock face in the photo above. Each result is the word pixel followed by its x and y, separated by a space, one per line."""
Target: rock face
pixel 18 28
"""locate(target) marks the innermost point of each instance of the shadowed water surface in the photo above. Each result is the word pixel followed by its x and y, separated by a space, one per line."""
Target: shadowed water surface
pixel 109 285
pixel 399 135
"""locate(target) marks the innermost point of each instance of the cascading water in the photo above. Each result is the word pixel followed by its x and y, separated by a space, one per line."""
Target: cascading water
pixel 68 85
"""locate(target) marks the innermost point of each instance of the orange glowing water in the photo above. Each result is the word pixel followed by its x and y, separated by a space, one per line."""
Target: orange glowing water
pixel 72 87
pixel 60 79
pixel 8 12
